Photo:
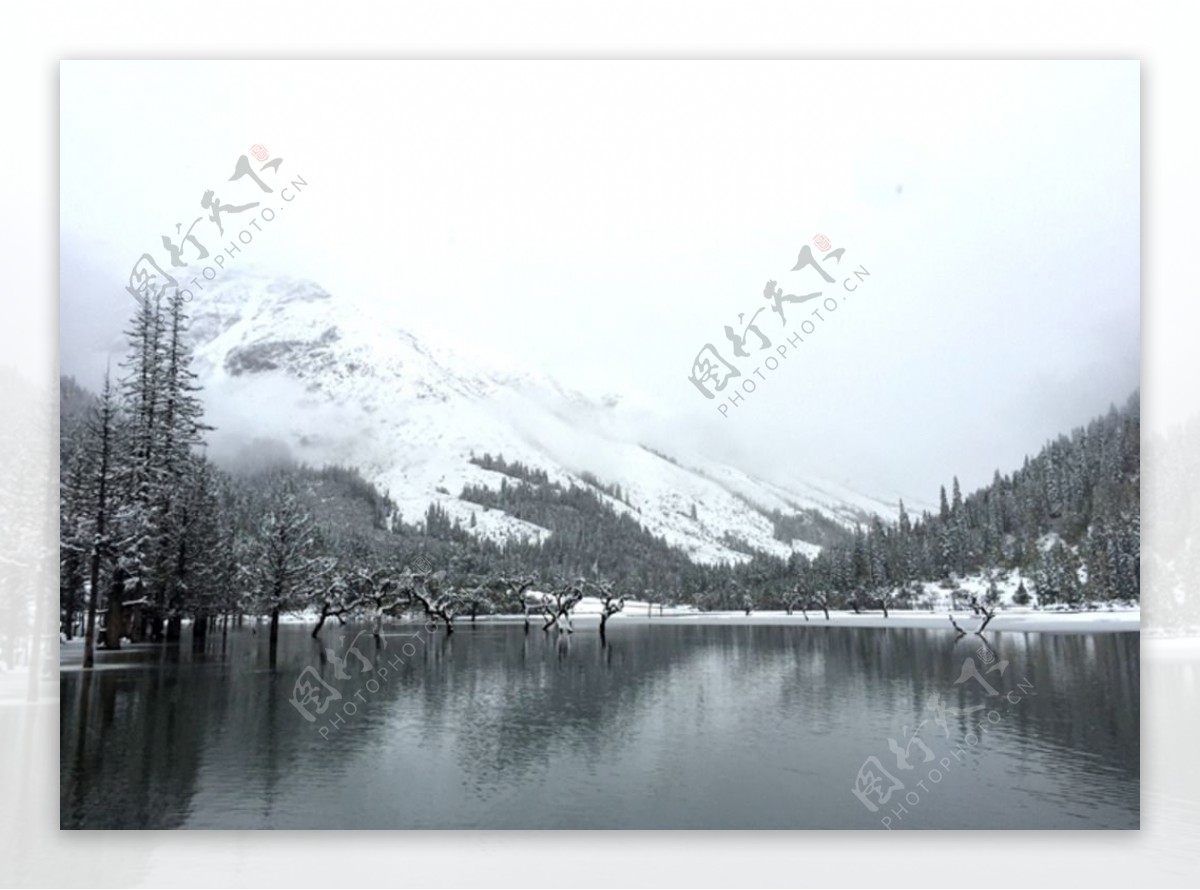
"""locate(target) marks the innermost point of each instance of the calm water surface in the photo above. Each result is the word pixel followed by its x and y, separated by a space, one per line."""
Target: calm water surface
pixel 672 725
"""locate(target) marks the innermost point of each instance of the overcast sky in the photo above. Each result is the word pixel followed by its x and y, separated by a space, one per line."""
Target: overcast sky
pixel 603 221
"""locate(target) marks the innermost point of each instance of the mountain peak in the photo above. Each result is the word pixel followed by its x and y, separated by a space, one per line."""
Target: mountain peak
pixel 282 359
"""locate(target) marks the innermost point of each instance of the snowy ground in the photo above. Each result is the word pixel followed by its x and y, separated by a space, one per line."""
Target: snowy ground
pixel 1016 620
pixel 1013 619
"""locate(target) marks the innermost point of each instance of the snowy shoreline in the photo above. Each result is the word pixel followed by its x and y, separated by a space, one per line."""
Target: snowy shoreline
pixel 1014 621
pixel 1011 620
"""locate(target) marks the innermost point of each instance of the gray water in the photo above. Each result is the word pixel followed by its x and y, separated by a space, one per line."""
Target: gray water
pixel 672 725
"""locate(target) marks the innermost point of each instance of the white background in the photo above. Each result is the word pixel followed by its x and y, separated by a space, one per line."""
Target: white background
pixel 599 221
pixel 34 38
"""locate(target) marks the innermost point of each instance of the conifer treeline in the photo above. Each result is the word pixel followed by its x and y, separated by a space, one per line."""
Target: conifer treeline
pixel 160 534
pixel 1069 520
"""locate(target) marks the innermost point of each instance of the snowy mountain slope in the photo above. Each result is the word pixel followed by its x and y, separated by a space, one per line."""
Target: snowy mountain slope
pixel 283 361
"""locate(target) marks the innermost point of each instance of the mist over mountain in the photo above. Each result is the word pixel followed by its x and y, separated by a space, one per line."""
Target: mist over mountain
pixel 289 370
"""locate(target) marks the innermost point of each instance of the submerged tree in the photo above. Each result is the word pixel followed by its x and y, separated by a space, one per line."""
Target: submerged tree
pixel 558 604
pixel 380 592
pixel 610 604
pixel 984 611
pixel 288 564
pixel 439 597
pixel 337 601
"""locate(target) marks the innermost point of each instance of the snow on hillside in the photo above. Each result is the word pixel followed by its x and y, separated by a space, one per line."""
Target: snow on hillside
pixel 934 595
pixel 283 361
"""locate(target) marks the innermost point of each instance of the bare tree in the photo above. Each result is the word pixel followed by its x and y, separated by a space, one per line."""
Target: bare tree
pixel 822 599
pixel 886 597
pixel 610 604
pixel 483 595
pixel 439 597
pixel 512 594
pixel 334 607
pixel 796 597
pixel 984 611
pixel 381 590
pixel 559 603
pixel 337 601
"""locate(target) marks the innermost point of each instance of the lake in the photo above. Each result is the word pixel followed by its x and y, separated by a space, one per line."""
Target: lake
pixel 673 724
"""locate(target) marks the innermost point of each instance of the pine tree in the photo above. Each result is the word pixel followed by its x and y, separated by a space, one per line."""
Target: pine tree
pixel 162 399
pixel 288 564
pixel 102 434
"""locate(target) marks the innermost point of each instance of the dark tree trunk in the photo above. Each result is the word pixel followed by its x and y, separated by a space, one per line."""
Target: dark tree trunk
pixel 274 635
pixel 133 624
pixel 320 624
pixel 174 628
pixel 603 622
pixel 162 624
pixel 89 635
pixel 199 631
pixel 114 626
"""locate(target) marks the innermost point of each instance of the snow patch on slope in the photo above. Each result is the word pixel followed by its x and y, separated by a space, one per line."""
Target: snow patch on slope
pixel 283 360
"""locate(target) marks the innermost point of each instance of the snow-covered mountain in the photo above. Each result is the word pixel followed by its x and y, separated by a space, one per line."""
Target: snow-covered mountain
pixel 283 361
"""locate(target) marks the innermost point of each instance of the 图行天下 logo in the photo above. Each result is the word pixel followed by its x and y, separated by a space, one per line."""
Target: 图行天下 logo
pixel 712 373
pixel 328 694
pixel 877 788
pixel 188 249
